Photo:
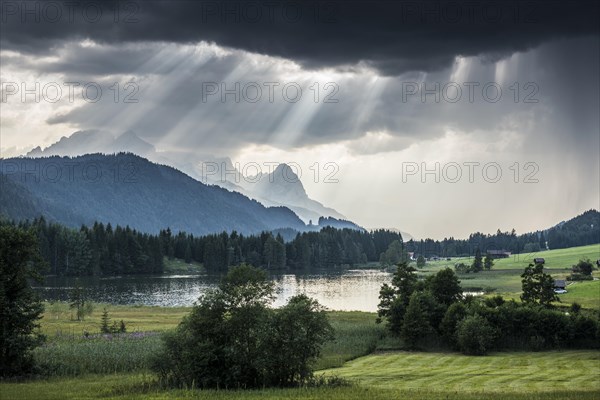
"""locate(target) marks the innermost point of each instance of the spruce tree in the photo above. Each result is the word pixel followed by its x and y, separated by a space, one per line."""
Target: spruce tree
pixel 20 307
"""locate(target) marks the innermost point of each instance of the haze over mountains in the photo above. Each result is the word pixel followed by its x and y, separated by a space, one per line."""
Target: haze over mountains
pixel 281 187
pixel 130 190
pixel 127 189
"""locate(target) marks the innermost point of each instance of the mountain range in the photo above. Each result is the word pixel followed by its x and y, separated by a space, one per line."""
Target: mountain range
pixel 127 189
pixel 282 187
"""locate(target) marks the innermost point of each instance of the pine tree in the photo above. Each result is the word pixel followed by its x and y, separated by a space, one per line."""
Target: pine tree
pixel 104 326
pixel 188 253
pixel 477 262
pixel 488 262
pixel 20 307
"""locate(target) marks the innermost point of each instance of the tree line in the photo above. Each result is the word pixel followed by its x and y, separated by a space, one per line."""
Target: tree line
pixel 106 250
pixel 579 231
pixel 434 313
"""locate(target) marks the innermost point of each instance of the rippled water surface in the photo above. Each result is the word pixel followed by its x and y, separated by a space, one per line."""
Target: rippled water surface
pixel 341 290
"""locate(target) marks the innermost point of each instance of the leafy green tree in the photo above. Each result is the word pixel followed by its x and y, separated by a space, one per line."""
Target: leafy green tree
pixel 79 302
pixel 416 321
pixel 445 287
pixel 475 335
pixel 20 307
pixel 537 286
pixel 299 330
pixel 462 268
pixel 584 267
pixel 455 313
pixel 488 262
pixel 420 262
pixel 232 339
pixel 477 263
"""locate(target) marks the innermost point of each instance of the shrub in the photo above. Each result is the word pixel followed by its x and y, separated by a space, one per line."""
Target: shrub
pixel 584 267
pixel 455 313
pixel 475 335
pixel 576 276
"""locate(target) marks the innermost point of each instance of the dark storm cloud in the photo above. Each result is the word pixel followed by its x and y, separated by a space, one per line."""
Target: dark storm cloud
pixel 392 36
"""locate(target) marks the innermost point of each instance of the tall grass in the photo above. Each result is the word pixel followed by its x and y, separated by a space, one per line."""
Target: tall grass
pixel 356 335
pixel 102 354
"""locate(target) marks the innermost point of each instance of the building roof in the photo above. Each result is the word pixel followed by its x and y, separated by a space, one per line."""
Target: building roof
pixel 498 252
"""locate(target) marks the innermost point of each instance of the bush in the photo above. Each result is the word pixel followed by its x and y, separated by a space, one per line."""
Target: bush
pixel 231 339
pixel 475 335
pixel 455 313
pixel 583 267
pixel 576 276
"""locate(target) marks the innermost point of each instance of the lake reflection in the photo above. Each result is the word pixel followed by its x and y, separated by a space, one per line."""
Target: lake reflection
pixel 343 290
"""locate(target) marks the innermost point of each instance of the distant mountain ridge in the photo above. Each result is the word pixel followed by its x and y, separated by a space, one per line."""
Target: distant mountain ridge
pixel 129 190
pixel 282 187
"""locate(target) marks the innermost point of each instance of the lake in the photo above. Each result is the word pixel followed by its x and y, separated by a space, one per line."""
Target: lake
pixel 346 290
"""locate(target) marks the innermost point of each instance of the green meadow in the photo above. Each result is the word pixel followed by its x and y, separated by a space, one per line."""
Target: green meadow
pixel 420 376
pixel 516 372
pixel 505 276
pixel 79 363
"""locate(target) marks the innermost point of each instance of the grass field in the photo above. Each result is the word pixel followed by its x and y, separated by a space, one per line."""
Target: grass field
pixel 99 367
pixel 505 276
pixel 560 259
pixel 68 352
pixel 57 318
pixel 419 376
pixel 500 372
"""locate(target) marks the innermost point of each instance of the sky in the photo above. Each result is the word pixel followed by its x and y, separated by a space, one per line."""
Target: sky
pixel 436 118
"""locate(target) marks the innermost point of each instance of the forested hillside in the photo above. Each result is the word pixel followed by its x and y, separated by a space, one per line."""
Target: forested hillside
pixel 579 231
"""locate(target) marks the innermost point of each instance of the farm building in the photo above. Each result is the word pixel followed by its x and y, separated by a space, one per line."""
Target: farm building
pixel 498 253
pixel 560 284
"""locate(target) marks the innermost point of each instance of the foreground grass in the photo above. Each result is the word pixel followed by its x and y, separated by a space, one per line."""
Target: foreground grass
pixel 416 376
pixel 515 372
